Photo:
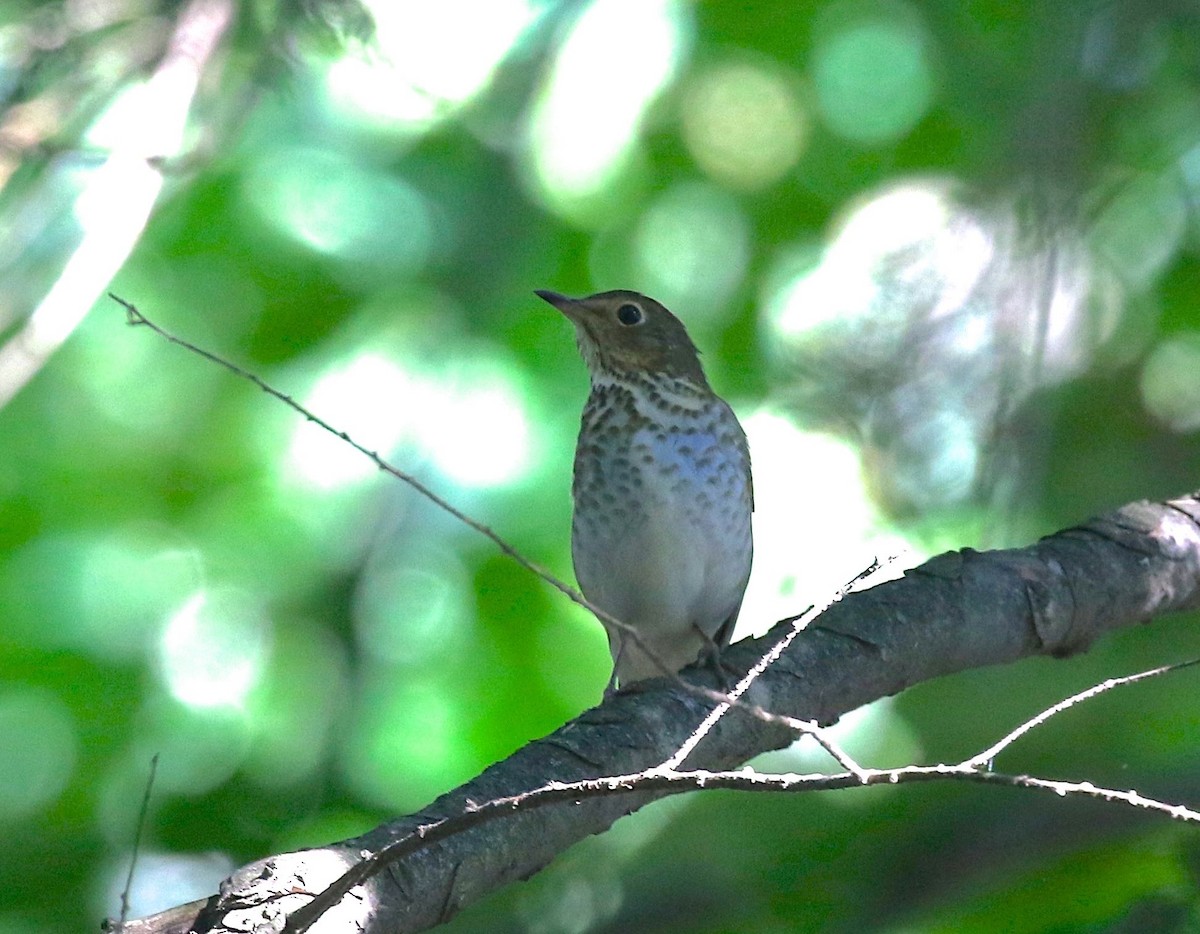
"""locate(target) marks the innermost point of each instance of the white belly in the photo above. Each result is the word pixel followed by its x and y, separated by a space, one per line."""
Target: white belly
pixel 664 546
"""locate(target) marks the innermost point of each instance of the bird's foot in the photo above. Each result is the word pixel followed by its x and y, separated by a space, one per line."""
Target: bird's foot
pixel 711 653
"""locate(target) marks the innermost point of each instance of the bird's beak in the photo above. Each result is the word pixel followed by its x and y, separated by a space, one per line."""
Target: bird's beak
pixel 570 307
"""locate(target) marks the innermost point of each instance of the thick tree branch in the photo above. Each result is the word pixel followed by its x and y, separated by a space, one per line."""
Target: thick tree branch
pixel 958 611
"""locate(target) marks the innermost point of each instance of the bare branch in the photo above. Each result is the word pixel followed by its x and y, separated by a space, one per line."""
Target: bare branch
pixel 670 782
pixel 668 778
pixel 958 611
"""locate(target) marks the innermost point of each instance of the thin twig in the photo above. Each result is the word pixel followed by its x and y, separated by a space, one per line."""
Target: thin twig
pixel 799 622
pixel 985 758
pixel 667 777
pixel 671 781
pixel 137 838
pixel 829 744
pixel 136 318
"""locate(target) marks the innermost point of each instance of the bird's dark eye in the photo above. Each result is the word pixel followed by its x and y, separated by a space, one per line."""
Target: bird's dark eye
pixel 630 314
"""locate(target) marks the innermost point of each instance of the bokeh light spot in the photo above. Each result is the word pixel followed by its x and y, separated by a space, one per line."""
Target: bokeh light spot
pixel 743 123
pixel 214 648
pixel 617 58
pixel 914 258
pixel 872 77
pixel 370 397
pixel 831 496
pixel 411 610
pixel 39 743
pixel 292 710
pixel 692 247
pixel 130 581
pixel 199 746
pixel 162 881
pixel 127 383
pixel 447 413
pixel 41 591
pixel 427 58
pixel 474 427
pixel 337 207
pixel 932 456
pixel 1170 382
pixel 1141 229
pixel 811 289
pixel 103 595
pixel 405 746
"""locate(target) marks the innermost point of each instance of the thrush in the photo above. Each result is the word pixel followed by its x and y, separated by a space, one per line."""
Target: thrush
pixel 660 535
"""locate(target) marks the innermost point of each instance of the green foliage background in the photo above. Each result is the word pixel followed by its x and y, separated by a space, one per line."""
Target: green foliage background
pixel 311 648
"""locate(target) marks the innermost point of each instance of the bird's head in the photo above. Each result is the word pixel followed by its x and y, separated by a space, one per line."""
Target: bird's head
pixel 625 333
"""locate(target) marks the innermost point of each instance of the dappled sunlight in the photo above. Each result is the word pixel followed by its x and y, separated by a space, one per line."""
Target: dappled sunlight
pixel 127 377
pixel 355 212
pixel 361 397
pixel 40 589
pixel 931 458
pixel 213 649
pixel 744 123
pixel 815 526
pixel 163 879
pixel 296 704
pixel 40 739
pixel 871 71
pixel 427 59
pixel 586 896
pixel 616 59
pixel 130 581
pixel 378 91
pixel 923 325
pixel 843 286
pixel 199 747
pixel 474 426
pixel 1141 229
pixel 145 121
pixel 103 594
pixel 944 263
pixel 446 415
pixel 112 206
pixel 691 248
pixel 407 740
pixel 413 607
pixel 1170 382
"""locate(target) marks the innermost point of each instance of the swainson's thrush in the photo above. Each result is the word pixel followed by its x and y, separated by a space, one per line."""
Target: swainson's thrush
pixel 661 535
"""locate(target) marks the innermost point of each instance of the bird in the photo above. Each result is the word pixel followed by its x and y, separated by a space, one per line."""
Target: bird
pixel 661 534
